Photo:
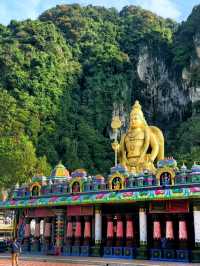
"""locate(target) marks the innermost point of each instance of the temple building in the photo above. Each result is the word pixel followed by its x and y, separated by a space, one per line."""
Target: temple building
pixel 145 208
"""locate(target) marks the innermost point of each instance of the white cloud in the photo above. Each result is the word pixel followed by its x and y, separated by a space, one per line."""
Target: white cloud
pixel 23 9
pixel 164 8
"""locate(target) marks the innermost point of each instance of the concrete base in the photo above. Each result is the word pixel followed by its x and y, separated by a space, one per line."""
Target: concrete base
pixel 67 251
pixel 85 251
pixel 169 254
pixel 195 255
pixel 96 251
pixel 129 253
pixel 75 251
pixel 155 254
pixel 88 261
pixel 183 255
pixel 35 247
pixel 142 253
pixel 26 245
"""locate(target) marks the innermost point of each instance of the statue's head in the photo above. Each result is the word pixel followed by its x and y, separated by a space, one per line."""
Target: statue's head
pixel 137 117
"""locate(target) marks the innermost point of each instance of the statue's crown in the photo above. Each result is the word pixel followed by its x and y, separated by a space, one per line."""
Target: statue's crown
pixel 136 107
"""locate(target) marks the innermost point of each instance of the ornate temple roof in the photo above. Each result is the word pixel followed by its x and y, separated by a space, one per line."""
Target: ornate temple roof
pixel 98 179
pixel 60 171
pixel 79 173
pixel 196 168
pixel 183 168
pixel 118 168
pixel 167 162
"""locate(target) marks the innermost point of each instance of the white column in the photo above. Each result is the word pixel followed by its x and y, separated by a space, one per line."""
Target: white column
pixel 196 214
pixel 98 225
pixel 143 226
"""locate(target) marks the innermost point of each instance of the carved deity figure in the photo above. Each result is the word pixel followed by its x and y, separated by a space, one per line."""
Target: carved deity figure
pixel 141 145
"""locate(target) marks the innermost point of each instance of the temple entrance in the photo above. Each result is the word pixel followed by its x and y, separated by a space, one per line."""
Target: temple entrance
pixel 79 230
pixel 120 230
pixel 170 235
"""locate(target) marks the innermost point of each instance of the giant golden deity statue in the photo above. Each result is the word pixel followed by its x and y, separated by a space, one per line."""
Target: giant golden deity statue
pixel 141 146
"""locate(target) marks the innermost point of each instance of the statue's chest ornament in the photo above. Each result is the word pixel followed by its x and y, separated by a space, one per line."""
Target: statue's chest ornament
pixel 134 136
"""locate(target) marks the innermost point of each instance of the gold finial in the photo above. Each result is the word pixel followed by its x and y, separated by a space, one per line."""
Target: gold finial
pixel 116 123
pixel 137 106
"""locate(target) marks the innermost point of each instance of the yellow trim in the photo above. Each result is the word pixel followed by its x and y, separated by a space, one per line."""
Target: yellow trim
pixel 114 176
pixel 77 179
pixel 164 170
pixel 36 184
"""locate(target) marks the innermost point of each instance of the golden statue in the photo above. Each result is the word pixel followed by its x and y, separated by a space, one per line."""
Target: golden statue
pixel 141 145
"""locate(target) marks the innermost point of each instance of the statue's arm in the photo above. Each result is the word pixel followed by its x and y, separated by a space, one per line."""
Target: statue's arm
pixel 122 151
pixel 146 143
pixel 155 147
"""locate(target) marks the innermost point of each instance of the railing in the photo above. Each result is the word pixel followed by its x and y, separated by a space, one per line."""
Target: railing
pixel 136 184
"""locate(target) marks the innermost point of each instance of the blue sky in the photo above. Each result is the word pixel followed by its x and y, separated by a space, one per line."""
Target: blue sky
pixel 23 9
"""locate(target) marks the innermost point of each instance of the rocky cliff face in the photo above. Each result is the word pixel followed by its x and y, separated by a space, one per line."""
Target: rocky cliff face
pixel 190 73
pixel 166 96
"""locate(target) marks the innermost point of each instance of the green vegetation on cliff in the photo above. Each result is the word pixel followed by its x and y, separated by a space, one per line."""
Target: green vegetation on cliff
pixel 63 75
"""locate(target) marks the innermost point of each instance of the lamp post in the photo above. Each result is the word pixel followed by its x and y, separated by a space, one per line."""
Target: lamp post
pixel 116 124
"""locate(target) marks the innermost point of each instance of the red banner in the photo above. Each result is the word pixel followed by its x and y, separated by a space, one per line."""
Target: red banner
pixel 79 210
pixel 172 206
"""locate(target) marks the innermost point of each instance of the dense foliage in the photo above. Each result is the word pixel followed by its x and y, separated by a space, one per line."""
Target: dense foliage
pixel 63 75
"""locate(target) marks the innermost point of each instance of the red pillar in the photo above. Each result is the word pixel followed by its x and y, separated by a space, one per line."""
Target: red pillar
pixel 36 242
pixel 78 232
pixel 119 231
pixel 129 231
pixel 169 230
pixel 47 233
pixel 87 231
pixel 47 228
pixel 156 233
pixel 183 234
pixel 156 230
pixel 69 233
pixel 169 234
pixel 110 231
pixel 27 234
pixel 37 228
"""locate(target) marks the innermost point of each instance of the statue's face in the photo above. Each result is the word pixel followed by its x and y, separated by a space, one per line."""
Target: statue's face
pixel 135 121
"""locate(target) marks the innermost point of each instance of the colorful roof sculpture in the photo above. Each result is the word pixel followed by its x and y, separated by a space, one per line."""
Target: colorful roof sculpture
pixel 196 168
pixel 79 173
pixel 183 168
pixel 167 162
pixel 119 186
pixel 98 179
pixel 118 168
pixel 60 171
